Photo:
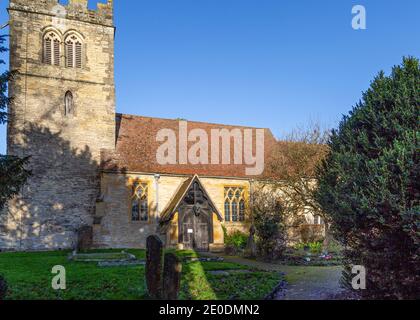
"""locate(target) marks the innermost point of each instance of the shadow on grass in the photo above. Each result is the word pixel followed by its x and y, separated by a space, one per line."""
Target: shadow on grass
pixel 220 280
pixel 29 277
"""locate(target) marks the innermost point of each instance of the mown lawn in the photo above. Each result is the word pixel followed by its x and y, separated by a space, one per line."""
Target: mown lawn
pixel 29 278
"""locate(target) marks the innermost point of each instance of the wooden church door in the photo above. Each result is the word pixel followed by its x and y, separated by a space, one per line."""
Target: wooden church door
pixel 195 223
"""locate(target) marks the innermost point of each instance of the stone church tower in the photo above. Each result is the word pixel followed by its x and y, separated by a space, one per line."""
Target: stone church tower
pixel 62 116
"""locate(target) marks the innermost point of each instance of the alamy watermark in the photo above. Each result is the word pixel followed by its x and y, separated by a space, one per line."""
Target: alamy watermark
pixel 59 281
pixel 359 281
pixel 196 147
pixel 359 19
pixel 59 16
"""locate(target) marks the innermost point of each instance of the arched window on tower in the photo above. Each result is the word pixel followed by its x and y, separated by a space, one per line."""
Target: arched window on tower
pixel 51 46
pixel 74 51
pixel 68 104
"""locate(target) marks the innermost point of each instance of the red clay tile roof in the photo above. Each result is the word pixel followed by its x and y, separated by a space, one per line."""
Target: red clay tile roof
pixel 137 147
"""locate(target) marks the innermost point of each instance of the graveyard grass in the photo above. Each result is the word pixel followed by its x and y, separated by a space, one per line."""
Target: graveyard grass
pixel 29 278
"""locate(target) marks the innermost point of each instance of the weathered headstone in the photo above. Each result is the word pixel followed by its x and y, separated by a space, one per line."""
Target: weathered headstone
pixel 172 270
pixel 154 253
pixel 251 247
pixel 3 288
pixel 84 238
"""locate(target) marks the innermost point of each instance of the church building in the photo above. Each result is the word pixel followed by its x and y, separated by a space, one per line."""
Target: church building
pixel 96 169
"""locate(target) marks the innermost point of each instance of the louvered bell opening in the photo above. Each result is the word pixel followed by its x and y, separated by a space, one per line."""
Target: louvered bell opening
pixel 56 52
pixel 78 55
pixel 70 55
pixel 47 52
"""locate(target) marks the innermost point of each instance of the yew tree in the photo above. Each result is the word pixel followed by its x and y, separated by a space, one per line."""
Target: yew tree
pixel 369 184
pixel 269 221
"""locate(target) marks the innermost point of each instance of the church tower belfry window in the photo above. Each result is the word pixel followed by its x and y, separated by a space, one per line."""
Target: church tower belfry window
pixel 51 47
pixel 74 51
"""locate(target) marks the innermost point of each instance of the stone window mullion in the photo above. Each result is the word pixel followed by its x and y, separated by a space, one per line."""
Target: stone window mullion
pixel 140 203
pixel 234 198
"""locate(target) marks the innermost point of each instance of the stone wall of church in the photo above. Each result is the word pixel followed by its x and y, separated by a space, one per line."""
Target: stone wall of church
pixel 115 228
pixel 64 148
pixel 216 188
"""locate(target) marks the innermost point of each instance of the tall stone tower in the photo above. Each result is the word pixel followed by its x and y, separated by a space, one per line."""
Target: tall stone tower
pixel 62 116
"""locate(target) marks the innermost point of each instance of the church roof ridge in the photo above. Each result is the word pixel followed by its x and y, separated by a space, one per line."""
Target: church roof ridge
pixel 127 116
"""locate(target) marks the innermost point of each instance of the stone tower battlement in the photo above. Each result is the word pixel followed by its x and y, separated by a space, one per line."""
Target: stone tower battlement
pixel 75 9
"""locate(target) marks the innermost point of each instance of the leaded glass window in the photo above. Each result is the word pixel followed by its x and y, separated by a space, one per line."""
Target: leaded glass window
pixel 227 211
pixel 242 210
pixel 140 203
pixel 234 204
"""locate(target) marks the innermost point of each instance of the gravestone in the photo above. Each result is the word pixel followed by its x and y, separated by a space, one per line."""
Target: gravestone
pixel 154 266
pixel 172 270
pixel 251 247
pixel 3 288
pixel 84 238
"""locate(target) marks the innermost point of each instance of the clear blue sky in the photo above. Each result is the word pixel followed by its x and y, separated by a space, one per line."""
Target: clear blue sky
pixel 266 63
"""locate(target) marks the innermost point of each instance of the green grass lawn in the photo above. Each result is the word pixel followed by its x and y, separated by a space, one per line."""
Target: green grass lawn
pixel 29 278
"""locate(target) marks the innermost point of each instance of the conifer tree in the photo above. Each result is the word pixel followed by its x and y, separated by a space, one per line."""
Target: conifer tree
pixel 369 185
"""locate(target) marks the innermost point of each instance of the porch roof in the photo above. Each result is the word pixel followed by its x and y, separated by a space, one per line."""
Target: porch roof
pixel 180 194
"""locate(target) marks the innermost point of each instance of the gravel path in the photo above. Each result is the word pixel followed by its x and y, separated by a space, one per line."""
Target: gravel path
pixel 313 283
pixel 303 282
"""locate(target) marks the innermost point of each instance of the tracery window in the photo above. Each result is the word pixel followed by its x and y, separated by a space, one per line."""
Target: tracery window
pixel 74 48
pixel 234 204
pixel 51 46
pixel 140 203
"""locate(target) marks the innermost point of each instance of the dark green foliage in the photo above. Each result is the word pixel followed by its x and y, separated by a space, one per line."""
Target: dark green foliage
pixel 12 169
pixel 4 78
pixel 3 288
pixel 12 177
pixel 270 231
pixel 236 239
pixel 369 184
